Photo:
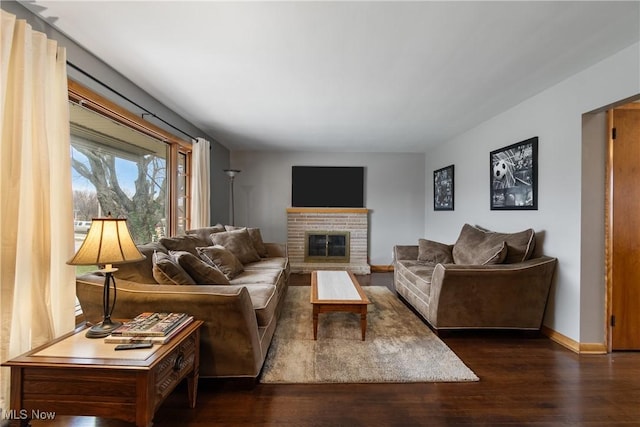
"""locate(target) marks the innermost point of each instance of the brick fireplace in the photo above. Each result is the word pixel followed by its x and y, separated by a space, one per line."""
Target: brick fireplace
pixel 303 222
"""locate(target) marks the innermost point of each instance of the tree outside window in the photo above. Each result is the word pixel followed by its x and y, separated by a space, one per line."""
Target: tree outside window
pixel 118 171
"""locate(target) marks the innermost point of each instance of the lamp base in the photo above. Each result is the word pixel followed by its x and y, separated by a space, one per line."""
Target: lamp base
pixel 102 329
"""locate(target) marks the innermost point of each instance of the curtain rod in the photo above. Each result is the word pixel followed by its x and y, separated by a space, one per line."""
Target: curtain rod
pixel 146 112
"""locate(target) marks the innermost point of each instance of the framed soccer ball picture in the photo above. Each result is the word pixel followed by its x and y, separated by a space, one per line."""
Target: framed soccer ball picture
pixel 513 174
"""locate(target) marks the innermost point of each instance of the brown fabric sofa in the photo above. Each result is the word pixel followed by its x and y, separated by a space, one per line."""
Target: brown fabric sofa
pixel 486 280
pixel 240 314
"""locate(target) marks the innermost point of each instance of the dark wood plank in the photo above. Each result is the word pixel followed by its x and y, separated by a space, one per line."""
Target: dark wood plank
pixel 523 380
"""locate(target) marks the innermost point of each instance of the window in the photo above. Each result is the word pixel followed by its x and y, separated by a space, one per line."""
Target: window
pixel 127 167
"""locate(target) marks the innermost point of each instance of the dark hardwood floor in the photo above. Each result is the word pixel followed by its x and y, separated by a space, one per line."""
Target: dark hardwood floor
pixel 524 380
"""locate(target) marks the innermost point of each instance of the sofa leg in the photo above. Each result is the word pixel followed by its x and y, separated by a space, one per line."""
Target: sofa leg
pixel 532 333
pixel 441 333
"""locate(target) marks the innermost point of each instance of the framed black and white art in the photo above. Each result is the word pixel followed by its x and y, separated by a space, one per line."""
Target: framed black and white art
pixel 443 189
pixel 514 176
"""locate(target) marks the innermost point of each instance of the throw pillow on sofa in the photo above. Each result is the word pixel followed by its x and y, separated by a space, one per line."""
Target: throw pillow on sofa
pixel 256 238
pixel 484 253
pixel 204 232
pixel 495 254
pixel 202 273
pixel 239 243
pixel 474 245
pixel 183 243
pixel 166 271
pixel 430 252
pixel 520 244
pixel 223 259
pixel 140 271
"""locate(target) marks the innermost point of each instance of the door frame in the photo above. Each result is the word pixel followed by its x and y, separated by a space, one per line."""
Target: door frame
pixel 629 104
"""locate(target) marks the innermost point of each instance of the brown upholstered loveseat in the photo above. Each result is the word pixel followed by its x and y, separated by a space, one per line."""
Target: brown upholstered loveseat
pixel 240 309
pixel 486 280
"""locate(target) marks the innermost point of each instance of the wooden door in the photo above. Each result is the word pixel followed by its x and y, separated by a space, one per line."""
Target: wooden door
pixel 626 229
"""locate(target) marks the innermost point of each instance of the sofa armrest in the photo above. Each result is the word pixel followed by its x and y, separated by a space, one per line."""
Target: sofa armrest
pixel 491 296
pixel 229 337
pixel 405 252
pixel 276 250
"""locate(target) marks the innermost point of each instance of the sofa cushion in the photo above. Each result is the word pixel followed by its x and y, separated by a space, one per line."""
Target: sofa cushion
pixel 223 259
pixel 239 243
pixel 260 277
pixel 256 238
pixel 167 271
pixel 140 271
pixel 187 243
pixel 202 272
pixel 416 276
pixel 475 245
pixel 272 263
pixel 430 252
pixel 205 232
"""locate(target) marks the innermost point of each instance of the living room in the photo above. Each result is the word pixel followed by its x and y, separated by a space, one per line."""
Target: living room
pixel 570 214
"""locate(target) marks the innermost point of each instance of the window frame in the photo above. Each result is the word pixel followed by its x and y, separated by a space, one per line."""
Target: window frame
pixel 93 101
pixel 186 176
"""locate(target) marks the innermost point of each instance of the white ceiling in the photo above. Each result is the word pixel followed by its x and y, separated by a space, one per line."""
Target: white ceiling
pixel 344 76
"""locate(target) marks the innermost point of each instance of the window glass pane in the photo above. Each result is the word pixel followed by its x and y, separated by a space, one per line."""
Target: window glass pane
pixel 120 171
pixel 337 245
pixel 317 245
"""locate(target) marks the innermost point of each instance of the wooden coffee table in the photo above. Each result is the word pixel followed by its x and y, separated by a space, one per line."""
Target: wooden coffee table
pixel 75 375
pixel 337 291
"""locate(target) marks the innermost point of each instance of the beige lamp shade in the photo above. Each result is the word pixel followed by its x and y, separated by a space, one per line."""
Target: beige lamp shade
pixel 108 241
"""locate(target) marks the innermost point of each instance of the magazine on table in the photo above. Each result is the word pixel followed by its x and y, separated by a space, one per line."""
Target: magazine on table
pixel 122 339
pixel 150 325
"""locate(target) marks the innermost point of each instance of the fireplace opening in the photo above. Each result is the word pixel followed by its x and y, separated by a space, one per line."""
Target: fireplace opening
pixel 329 246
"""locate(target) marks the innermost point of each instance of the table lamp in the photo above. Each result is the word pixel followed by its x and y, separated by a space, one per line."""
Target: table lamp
pixel 108 242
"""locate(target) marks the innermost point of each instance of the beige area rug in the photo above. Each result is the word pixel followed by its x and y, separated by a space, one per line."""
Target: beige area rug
pixel 399 347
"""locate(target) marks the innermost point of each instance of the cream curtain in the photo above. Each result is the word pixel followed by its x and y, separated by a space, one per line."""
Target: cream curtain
pixel 37 288
pixel 200 193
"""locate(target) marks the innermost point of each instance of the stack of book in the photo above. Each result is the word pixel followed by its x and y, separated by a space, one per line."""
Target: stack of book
pixel 156 328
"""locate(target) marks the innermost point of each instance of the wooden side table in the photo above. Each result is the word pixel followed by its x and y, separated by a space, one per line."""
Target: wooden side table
pixel 75 375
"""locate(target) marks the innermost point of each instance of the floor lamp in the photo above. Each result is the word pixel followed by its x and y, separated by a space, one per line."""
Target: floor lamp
pixel 231 173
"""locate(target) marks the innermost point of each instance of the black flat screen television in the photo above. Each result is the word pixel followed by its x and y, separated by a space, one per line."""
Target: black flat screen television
pixel 327 186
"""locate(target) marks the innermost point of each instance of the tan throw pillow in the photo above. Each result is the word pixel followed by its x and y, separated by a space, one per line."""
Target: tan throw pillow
pixel 202 273
pixel 258 243
pixel 472 240
pixel 430 252
pixel 204 232
pixel 239 243
pixel 140 271
pixel 256 238
pixel 495 255
pixel 183 243
pixel 520 245
pixel 223 259
pixel 168 272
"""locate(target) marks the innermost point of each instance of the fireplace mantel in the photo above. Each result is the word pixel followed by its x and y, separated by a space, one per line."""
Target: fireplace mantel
pixel 355 221
pixel 328 210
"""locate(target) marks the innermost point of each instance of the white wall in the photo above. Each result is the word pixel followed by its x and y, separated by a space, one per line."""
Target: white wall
pixel 394 193
pixel 555 116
